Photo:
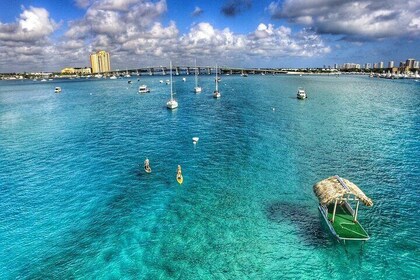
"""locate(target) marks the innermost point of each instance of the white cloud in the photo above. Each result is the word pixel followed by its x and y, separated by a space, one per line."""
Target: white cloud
pixel 197 11
pixel 83 3
pixel 133 33
pixel 354 19
pixel 33 24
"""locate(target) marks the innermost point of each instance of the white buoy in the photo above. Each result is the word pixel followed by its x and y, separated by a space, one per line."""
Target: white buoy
pixel 195 140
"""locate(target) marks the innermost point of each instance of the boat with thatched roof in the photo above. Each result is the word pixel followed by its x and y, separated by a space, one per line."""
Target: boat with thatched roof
pixel 335 196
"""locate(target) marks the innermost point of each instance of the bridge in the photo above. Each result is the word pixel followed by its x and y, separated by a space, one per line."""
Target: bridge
pixel 190 70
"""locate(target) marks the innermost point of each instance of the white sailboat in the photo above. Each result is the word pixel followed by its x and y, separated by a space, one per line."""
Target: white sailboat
pixel 197 89
pixel 216 93
pixel 172 103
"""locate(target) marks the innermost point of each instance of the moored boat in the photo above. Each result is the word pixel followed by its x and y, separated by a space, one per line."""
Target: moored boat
pixel 197 88
pixel 143 89
pixel 335 196
pixel 172 103
pixel 57 89
pixel 301 93
pixel 216 93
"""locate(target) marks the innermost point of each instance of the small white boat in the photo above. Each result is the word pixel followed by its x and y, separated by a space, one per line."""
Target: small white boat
pixel 168 82
pixel 195 140
pixel 161 81
pixel 216 93
pixel 113 77
pixel 301 94
pixel 43 80
pixel 143 89
pixel 172 103
pixel 57 89
pixel 184 79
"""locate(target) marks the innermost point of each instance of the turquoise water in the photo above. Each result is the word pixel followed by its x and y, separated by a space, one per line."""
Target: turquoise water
pixel 76 204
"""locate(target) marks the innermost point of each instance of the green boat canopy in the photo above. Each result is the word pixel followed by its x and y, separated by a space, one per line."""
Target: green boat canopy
pixel 331 189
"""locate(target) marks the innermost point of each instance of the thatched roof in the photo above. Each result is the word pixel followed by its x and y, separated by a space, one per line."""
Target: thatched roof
pixel 330 189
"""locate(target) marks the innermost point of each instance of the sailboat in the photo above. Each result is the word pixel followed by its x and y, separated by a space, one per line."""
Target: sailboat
pixel 197 89
pixel 172 103
pixel 216 93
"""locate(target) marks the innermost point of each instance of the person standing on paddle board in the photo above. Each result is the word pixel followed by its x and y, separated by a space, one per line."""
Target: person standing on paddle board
pixel 179 177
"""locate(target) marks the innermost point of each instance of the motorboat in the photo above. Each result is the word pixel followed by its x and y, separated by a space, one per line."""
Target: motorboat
pixel 301 94
pixel 143 89
pixel 172 103
pixel 57 89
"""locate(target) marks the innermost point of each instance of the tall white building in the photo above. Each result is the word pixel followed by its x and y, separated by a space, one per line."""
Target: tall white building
pixel 100 62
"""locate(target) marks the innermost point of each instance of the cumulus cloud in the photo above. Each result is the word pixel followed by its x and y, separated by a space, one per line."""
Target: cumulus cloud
pixel 197 11
pixel 233 7
pixel 364 19
pixel 134 34
pixel 33 24
pixel 82 3
pixel 269 41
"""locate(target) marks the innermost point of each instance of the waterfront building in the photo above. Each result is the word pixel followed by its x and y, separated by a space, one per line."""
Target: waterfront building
pixel 416 64
pixel 350 66
pixel 381 65
pixel 409 63
pixel 391 64
pixel 100 62
pixel 77 71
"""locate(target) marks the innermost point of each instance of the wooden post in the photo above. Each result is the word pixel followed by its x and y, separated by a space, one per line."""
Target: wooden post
pixel 355 213
pixel 335 207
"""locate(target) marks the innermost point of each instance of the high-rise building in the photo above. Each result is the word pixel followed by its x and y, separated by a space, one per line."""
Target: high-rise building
pixel 391 64
pixel 416 64
pixel 409 63
pixel 100 62
pixel 381 65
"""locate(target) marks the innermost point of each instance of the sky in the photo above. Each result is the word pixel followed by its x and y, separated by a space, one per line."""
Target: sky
pixel 48 35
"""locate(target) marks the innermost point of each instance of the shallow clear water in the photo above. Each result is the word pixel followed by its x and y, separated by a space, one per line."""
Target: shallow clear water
pixel 76 203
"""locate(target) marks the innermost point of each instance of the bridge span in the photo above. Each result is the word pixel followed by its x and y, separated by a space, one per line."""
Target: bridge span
pixel 190 70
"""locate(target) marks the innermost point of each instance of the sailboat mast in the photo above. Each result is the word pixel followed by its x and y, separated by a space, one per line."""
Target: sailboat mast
pixel 170 67
pixel 196 75
pixel 217 80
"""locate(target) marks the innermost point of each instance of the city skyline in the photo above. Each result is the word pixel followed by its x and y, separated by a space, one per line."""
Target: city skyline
pixel 44 35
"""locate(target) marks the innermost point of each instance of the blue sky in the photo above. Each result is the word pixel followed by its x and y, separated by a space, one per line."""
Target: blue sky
pixel 47 35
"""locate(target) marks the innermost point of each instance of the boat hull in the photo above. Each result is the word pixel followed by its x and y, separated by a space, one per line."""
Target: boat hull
pixel 172 104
